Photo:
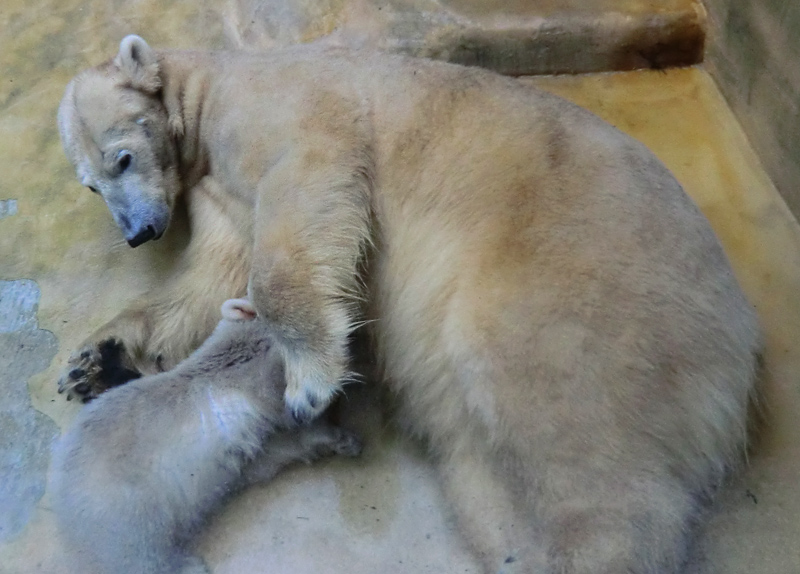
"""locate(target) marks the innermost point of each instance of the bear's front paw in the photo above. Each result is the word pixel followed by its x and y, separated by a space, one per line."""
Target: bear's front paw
pixel 94 369
pixel 310 388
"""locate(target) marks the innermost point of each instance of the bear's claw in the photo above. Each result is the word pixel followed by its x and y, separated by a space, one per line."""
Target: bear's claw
pixel 308 404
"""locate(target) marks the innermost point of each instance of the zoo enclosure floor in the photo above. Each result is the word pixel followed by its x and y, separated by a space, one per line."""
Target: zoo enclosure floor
pixel 382 513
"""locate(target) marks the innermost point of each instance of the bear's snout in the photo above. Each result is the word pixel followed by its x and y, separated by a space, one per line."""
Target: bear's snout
pixel 141 222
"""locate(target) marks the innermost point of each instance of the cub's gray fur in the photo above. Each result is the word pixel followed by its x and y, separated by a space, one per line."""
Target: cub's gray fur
pixel 143 465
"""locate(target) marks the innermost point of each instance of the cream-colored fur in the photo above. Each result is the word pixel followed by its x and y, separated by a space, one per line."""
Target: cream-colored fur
pixel 555 315
pixel 142 466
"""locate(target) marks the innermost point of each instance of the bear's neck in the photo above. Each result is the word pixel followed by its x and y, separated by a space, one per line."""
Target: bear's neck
pixel 184 77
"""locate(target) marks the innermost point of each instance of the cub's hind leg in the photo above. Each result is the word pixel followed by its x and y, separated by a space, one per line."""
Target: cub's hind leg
pixel 183 563
pixel 133 549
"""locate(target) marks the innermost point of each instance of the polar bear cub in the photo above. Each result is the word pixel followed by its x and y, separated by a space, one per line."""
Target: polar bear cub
pixel 142 466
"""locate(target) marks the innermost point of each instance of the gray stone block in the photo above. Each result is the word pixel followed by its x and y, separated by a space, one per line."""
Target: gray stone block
pixel 515 37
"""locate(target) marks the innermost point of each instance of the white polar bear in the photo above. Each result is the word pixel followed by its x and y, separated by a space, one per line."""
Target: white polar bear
pixel 555 315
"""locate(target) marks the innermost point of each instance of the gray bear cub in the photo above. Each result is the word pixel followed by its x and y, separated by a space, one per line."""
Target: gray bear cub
pixel 144 464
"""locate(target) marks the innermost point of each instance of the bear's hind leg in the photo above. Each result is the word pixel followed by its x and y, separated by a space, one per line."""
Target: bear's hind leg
pixel 493 521
pixel 632 521
pixel 566 518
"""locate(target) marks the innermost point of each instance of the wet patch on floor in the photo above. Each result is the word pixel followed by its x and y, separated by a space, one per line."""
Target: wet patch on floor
pixel 8 207
pixel 25 433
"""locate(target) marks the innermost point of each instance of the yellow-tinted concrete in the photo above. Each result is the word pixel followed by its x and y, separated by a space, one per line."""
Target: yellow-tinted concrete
pixel 382 513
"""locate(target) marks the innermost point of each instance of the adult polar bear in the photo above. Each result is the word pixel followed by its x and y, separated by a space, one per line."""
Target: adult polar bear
pixel 556 316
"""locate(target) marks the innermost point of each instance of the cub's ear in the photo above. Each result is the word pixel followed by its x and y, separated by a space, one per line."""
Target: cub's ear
pixel 238 310
pixel 139 64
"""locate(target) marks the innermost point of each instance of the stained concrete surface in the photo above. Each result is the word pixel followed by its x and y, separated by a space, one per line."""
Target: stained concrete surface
pixel 382 513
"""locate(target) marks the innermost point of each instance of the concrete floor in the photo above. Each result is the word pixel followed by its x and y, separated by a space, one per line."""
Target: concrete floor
pixel 66 270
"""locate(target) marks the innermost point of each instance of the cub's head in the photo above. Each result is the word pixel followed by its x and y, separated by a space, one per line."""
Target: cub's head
pixel 242 346
pixel 115 131
pixel 241 331
pixel 238 310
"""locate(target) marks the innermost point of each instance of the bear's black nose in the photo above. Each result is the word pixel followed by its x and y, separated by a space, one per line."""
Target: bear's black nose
pixel 143 236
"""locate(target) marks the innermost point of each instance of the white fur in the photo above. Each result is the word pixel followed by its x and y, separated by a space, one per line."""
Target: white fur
pixel 556 317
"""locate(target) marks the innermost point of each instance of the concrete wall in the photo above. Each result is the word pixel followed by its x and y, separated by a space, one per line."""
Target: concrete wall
pixel 754 55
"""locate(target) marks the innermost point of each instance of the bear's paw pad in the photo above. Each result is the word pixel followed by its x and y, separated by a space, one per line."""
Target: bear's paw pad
pixel 95 368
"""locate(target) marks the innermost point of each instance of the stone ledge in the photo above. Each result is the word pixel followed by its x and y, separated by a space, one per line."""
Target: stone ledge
pixel 514 37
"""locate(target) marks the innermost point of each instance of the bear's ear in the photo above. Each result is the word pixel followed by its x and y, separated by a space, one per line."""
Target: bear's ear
pixel 238 310
pixel 138 62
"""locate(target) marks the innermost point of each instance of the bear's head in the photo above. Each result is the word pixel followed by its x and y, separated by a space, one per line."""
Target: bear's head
pixel 115 131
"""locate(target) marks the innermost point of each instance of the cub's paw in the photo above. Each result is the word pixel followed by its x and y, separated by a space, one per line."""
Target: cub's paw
pixel 322 440
pixel 346 443
pixel 95 368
